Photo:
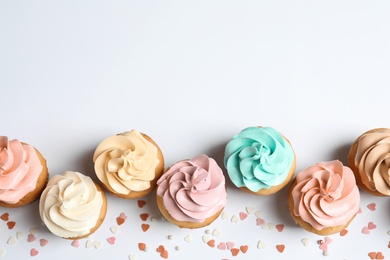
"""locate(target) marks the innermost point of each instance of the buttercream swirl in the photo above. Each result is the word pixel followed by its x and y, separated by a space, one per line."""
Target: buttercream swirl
pixel 19 170
pixel 126 162
pixel 371 160
pixel 70 205
pixel 258 158
pixel 193 190
pixel 326 195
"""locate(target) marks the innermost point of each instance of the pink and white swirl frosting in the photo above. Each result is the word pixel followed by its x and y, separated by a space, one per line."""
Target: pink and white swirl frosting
pixel 326 195
pixel 193 190
pixel 372 160
pixel 19 170
pixel 70 205
pixel 126 162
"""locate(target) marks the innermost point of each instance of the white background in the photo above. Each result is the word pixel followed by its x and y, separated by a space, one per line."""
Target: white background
pixel 191 74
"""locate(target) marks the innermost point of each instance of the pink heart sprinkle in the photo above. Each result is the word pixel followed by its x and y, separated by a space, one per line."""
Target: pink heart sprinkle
pixel 371 206
pixel 324 246
pixel 365 230
pixel 111 240
pixel 259 221
pixel 371 225
pixel 123 215
pixel 76 243
pixel 280 227
pixel 34 252
pixel 229 245
pixel 222 246
pixel 31 238
pixel 328 240
pixel 243 215
pixel 360 211
pixel 43 242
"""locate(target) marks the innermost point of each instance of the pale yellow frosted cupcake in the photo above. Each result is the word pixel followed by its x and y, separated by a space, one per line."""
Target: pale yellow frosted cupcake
pixel 128 164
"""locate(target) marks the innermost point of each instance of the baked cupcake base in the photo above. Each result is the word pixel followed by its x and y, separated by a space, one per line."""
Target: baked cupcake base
pixel 185 224
pixel 40 186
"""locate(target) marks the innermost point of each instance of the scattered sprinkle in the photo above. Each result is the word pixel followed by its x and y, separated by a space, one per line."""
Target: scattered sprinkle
pixel 208 231
pixel 34 252
pixel 132 257
pixel 19 235
pixel 11 224
pixel 365 231
pixel 111 240
pixel 260 245
pixel 280 248
pixel 250 209
pixel 371 206
pixel 5 217
pixel 152 219
pixel 141 246
pixel 258 214
pixel 97 244
pixel 305 241
pixel 234 219
pixel 75 243
pixel 205 238
pixel 141 203
pixel 235 251
pixel 222 246
pixel 216 232
pixel 244 248
pixel 89 243
pixel 343 232
pixel 2 252
pixel 33 231
pixel 188 238
pixel 211 243
pixel 280 227
pixel 144 216
pixel 11 240
pixel 145 227
pixel 225 215
pixel 170 237
pixel 177 248
pixel 31 238
pixel 43 242
pixel 326 253
pixel 371 225
pixel 243 215
pixel 114 229
pixel 229 245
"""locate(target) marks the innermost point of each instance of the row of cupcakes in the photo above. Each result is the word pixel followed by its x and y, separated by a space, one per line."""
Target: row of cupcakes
pixel 323 198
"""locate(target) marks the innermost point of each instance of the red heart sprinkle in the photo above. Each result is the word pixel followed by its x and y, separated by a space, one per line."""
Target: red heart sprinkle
pixel 11 224
pixel 5 217
pixel 141 203
pixel 145 227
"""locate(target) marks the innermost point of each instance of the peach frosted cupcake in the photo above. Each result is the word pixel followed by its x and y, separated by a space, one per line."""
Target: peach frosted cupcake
pixel 128 164
pixel 23 173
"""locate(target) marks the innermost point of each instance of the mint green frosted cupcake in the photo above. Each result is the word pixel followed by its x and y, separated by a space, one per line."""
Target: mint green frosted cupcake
pixel 260 160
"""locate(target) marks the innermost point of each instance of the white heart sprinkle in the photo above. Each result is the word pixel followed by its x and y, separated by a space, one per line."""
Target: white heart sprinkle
pixel 19 235
pixel 271 226
pixel 216 232
pixel 258 214
pixel 97 244
pixel 177 248
pixel 132 257
pixel 208 231
pixel 235 219
pixel 11 241
pixel 388 232
pixel 114 229
pixel 250 209
pixel 89 243
pixel 205 238
pixel 2 252
pixel 305 241
pixel 33 231
pixel 265 226
pixel 225 215
pixel 260 245
pixel 188 238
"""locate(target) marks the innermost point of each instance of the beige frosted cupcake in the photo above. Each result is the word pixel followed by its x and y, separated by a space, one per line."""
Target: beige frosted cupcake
pixel 192 193
pixel 324 198
pixel 23 173
pixel 369 159
pixel 128 164
pixel 72 206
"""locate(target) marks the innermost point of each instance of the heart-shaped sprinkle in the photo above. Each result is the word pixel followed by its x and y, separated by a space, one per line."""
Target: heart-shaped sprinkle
pixel 280 227
pixel 234 219
pixel 372 255
pixel 244 248
pixel 160 249
pixel 229 245
pixel 380 256
pixel 11 224
pixel 5 217
pixel 114 229
pixel 31 238
pixel 145 227
pixel 222 246
pixel 328 240
pixel 211 243
pixel 225 215
pixel 266 226
pixel 235 251
pixel 258 214
pixel 371 225
pixel 75 243
pixel 11 240
pixel 2 252
pixel 243 215
pixel 188 238
pixel 43 242
pixel 305 241
pixel 271 226
pixel 33 231
pixel 141 203
pixel 34 252
pixel 141 246
pixel 216 232
pixel 111 240
pixel 205 238
pixel 371 206
pixel 260 244
pixel 250 209
pixel 259 221
pixel 280 248
pixel 365 231
pixel 359 211
pixel 343 232
pixel 97 244
pixel 164 254
pixel 120 221
pixel 144 216
pixel 19 235
pixel 89 243
pixel 132 257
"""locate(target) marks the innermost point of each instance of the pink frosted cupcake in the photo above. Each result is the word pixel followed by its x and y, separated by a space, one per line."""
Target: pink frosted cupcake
pixel 192 193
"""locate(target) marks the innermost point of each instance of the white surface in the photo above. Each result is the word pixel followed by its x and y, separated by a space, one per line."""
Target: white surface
pixel 191 75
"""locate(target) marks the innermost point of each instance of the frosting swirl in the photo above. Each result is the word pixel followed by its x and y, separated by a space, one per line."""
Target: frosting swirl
pixel 126 162
pixel 371 160
pixel 258 158
pixel 70 205
pixel 193 190
pixel 19 170
pixel 326 195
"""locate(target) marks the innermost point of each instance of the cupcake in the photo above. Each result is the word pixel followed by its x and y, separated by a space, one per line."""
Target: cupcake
pixel 259 160
pixel 72 206
pixel 324 198
pixel 192 193
pixel 369 159
pixel 128 164
pixel 23 173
